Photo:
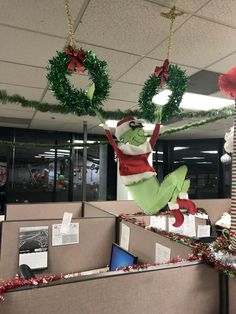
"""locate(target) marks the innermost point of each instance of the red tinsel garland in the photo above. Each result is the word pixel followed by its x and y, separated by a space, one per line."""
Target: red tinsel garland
pixel 18 282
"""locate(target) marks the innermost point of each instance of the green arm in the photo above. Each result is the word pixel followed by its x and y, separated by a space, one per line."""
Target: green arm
pixel 90 94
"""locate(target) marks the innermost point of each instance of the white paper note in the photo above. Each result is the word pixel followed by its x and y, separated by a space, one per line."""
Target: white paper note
pixel 162 254
pixel 189 226
pixel 178 230
pixel 71 237
pixel 203 231
pixel 66 222
pixel 2 217
pixel 158 222
pixel 125 235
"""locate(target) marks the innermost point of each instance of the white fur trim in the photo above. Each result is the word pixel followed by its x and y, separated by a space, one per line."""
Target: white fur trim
pixel 173 206
pixel 133 150
pixel 183 196
pixel 135 178
pixel 124 127
pixel 106 127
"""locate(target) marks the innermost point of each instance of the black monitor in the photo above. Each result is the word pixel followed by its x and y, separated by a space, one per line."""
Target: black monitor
pixel 121 258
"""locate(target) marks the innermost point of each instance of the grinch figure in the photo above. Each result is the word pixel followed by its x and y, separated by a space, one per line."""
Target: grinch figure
pixel 139 176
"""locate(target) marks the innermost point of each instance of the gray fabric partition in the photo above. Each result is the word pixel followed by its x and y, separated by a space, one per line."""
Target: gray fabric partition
pixel 42 210
pixel 118 207
pixel 192 289
pixel 93 251
pixel 142 244
pixel 90 210
pixel 232 299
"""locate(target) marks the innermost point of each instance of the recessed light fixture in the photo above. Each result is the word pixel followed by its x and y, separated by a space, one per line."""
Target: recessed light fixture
pixel 209 151
pixel 195 101
pixel 193 158
pixel 180 148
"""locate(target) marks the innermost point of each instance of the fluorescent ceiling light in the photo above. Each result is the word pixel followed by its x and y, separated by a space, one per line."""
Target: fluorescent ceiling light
pixel 193 158
pixel 53 153
pixel 81 141
pixel 60 150
pixel 180 147
pixel 195 101
pixel 209 151
pixel 204 162
pixel 78 147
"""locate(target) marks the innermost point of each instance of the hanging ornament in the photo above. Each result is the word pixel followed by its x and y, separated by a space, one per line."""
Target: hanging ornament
pixel 72 60
pixel 171 76
pixel 225 159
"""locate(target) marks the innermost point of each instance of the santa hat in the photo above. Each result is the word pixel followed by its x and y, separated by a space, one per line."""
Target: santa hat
pixel 124 125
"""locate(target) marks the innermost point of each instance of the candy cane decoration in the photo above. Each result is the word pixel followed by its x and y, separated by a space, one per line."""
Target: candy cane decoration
pixel 227 84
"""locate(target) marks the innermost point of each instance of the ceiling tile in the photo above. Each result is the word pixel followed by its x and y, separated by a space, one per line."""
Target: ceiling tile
pixel 188 5
pixel 224 64
pixel 190 47
pixel 23 75
pixel 141 71
pixel 27 92
pixel 222 11
pixel 28 48
pixel 4 112
pixel 111 104
pixel 125 91
pixel 133 26
pixel 118 62
pixel 43 16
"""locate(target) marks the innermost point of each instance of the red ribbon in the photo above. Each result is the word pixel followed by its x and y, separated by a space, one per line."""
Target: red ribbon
pixel 163 72
pixel 77 59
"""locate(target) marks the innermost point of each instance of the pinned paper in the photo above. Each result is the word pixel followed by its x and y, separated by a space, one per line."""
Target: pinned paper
pixel 158 222
pixel 71 237
pixel 203 231
pixel 66 222
pixel 189 226
pixel 125 235
pixel 162 254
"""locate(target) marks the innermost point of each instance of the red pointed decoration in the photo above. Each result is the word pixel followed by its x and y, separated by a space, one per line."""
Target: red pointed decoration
pixel 163 72
pixel 78 57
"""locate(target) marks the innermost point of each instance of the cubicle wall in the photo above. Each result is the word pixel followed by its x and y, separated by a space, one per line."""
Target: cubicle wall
pixel 177 290
pixel 91 210
pixel 142 243
pixel 92 251
pixel 214 207
pixel 117 207
pixel 232 299
pixel 42 210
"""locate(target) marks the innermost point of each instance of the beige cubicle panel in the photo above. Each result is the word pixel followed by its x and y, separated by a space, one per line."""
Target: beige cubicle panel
pixel 232 299
pixel 93 250
pixel 214 207
pixel 90 210
pixel 117 207
pixel 177 290
pixel 42 210
pixel 142 243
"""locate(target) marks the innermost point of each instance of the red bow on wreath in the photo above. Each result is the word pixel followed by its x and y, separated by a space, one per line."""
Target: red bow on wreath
pixel 163 72
pixel 77 59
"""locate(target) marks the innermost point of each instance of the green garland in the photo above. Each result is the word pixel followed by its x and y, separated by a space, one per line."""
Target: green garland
pixel 177 83
pixel 71 98
pixel 116 115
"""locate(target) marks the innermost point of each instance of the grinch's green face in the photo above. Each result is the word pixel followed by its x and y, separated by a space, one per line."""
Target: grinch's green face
pixel 134 137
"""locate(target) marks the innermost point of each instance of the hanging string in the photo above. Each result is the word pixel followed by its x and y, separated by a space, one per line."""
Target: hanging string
pixel 72 41
pixel 171 15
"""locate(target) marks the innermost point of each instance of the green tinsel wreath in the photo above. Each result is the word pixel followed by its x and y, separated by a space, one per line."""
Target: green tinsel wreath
pixel 177 83
pixel 70 97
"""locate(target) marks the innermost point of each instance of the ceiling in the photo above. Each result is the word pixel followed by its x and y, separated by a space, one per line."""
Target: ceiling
pixel 129 34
